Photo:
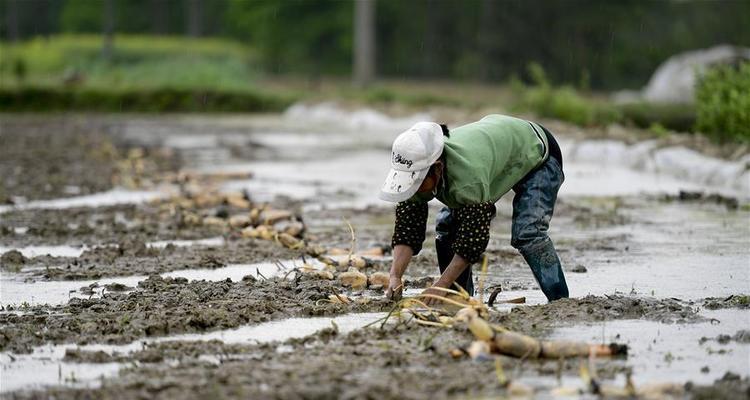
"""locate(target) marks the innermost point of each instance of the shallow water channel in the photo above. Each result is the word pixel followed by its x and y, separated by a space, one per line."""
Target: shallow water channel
pixel 18 291
pixel 45 365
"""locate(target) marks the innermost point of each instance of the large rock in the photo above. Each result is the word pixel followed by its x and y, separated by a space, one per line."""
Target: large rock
pixel 674 80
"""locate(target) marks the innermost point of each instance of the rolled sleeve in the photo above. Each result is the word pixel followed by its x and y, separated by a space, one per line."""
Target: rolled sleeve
pixel 473 232
pixel 411 223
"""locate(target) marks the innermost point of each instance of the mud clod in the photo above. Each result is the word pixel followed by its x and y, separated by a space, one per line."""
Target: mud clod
pixel 730 386
pixel 700 197
pixel 579 269
pixel 12 261
pixel 174 306
pixel 596 308
pixel 733 301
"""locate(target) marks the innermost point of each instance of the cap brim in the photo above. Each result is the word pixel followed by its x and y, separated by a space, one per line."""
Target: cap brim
pixel 401 185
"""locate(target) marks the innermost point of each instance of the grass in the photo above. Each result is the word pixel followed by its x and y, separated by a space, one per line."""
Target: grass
pixel 144 74
pixel 412 94
pixel 136 62
pixel 723 102
pixel 33 99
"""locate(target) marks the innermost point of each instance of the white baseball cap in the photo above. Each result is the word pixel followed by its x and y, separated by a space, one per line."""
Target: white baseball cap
pixel 414 151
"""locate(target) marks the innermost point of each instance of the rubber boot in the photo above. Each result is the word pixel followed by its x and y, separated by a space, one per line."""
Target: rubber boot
pixel 544 263
pixel 444 247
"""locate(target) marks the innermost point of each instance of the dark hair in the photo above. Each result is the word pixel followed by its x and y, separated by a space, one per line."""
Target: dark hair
pixel 446 132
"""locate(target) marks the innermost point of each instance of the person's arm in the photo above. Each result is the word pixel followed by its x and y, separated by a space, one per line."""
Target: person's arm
pixel 457 265
pixel 472 237
pixel 401 257
pixel 408 236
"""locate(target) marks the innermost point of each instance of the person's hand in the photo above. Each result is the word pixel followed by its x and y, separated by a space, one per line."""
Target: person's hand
pixel 395 288
pixel 431 301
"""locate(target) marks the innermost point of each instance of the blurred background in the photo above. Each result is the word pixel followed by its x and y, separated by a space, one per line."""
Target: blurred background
pixel 587 62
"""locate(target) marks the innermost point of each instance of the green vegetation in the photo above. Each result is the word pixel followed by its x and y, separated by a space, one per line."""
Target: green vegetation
pixel 572 105
pixel 723 103
pixel 607 44
pixel 138 100
pixel 311 37
pixel 564 103
pixel 137 62
pixel 673 117
pixel 144 74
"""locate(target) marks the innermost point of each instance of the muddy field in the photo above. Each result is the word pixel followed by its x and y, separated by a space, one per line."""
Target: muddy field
pixel 133 266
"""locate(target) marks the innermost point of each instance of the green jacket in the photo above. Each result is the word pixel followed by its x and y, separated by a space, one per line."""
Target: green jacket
pixel 485 159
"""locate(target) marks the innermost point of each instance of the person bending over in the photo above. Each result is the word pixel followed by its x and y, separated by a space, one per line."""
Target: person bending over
pixel 468 169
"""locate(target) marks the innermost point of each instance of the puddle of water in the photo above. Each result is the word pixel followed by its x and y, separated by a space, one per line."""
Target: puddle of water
pixel 675 250
pixel 672 352
pixel 265 190
pixel 351 177
pixel 684 276
pixel 358 120
pixel 236 272
pixel 283 329
pixel 108 198
pixel 73 251
pixel 44 366
pixel 672 164
pixel 588 179
pixel 533 297
pixel 13 290
pixel 214 241
pixel 54 251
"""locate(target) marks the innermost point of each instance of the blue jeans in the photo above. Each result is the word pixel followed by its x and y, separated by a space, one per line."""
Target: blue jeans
pixel 533 206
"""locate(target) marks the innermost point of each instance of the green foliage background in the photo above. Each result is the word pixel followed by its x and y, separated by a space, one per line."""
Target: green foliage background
pixel 139 61
pixel 723 103
pixel 607 44
pixel 573 47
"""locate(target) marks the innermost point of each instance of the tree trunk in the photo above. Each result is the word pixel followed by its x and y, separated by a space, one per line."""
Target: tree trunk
pixel 195 17
pixel 430 44
pixel 487 28
pixel 108 30
pixel 364 42
pixel 159 16
pixel 11 16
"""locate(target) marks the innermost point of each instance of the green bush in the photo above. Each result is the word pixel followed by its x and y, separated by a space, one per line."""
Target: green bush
pixel 673 117
pixel 381 95
pixel 567 104
pixel 137 62
pixel 563 102
pixel 138 100
pixel 723 103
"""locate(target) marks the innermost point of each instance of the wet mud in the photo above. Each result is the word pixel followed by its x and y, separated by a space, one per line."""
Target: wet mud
pixel 135 257
pixel 164 306
pixel 44 158
pixel 541 318
pixel 398 361
pixel 739 301
pixel 394 362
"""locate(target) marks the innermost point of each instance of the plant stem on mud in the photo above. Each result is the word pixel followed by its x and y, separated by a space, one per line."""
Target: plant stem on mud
pixel 500 373
pixel 482 277
pixel 353 242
